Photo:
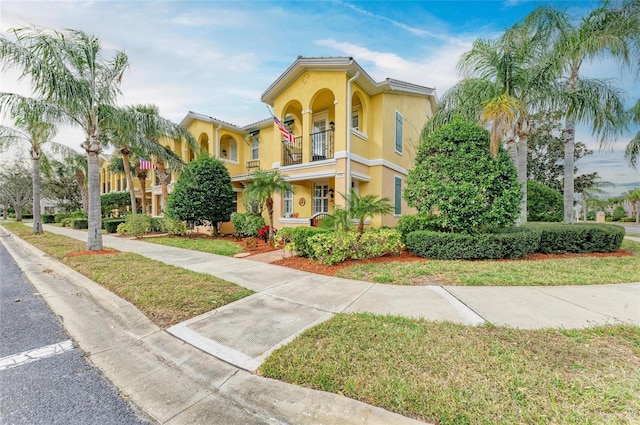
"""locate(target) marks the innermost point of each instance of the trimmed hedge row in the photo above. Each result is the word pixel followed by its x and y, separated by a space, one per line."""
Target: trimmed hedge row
pixel 479 246
pixel 48 218
pixel 516 242
pixel 111 224
pixel 578 238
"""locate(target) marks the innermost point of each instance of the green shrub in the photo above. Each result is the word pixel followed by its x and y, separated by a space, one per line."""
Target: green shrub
pixel 79 223
pixel 336 247
pixel 175 227
pixel 413 223
pixel 246 224
pixel 136 225
pixel 300 240
pixel 578 238
pixel 543 203
pixel 618 214
pixel 111 225
pixel 628 220
pixel 508 243
pixel 61 216
pixel 48 218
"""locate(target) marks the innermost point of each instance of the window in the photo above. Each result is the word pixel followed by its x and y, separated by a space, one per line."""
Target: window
pixel 255 148
pixel 398 132
pixel 233 150
pixel 320 198
pixel 397 196
pixel 355 119
pixel 234 202
pixel 287 203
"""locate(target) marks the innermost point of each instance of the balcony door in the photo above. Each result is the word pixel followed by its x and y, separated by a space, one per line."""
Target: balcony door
pixel 319 136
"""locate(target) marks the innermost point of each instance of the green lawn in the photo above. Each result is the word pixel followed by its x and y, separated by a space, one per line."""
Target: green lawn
pixel 211 246
pixel 454 374
pixel 164 293
pixel 565 271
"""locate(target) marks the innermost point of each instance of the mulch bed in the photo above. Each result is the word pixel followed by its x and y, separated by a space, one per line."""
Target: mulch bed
pixel 305 264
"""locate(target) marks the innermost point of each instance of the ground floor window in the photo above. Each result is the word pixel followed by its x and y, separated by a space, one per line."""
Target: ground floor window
pixel 287 203
pixel 321 198
pixel 397 196
pixel 235 201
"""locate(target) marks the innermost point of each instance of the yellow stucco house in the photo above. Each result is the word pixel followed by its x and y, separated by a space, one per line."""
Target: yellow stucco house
pixel 350 131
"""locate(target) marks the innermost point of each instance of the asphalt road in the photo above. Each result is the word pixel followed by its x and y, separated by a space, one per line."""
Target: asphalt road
pixel 54 384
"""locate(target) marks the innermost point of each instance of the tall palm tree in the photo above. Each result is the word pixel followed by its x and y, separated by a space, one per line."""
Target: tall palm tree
pixel 264 185
pixel 506 82
pixel 76 84
pixel 606 30
pixel 367 206
pixel 31 130
pixel 588 185
pixel 137 130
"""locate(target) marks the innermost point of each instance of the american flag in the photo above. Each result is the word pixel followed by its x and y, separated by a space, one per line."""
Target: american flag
pixel 288 137
pixel 146 165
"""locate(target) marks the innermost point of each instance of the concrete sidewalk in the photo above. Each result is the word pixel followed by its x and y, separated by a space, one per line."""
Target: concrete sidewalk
pixel 289 301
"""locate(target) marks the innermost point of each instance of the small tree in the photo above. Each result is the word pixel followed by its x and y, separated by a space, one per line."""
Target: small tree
pixel 456 178
pixel 203 194
pixel 543 203
pixel 16 186
pixel 363 207
pixel 264 185
pixel 634 197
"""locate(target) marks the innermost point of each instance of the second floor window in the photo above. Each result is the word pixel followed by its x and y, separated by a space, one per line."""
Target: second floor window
pixel 399 132
pixel 355 119
pixel 255 149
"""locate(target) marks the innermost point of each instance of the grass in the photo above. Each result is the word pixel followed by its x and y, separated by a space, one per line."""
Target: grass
pixel 564 271
pixel 165 294
pixel 211 246
pixel 454 374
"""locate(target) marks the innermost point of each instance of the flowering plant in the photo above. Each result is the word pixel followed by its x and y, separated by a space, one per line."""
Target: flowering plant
pixel 263 233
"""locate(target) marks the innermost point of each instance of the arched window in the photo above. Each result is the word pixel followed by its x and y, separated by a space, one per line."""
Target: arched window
pixel 233 150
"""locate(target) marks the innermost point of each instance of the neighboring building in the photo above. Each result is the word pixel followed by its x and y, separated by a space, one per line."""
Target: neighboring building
pixel 351 131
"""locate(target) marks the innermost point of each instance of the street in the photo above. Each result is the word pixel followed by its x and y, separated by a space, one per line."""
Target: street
pixel 44 377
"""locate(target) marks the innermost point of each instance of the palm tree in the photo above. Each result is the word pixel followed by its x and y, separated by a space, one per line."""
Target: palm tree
pixel 76 84
pixel 136 131
pixel 367 206
pixel 264 185
pixel 506 82
pixel 606 30
pixel 587 185
pixel 632 153
pixel 633 196
pixel 30 129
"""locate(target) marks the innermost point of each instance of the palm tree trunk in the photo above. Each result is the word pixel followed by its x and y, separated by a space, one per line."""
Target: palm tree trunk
pixel 637 211
pixel 269 205
pixel 569 147
pixel 127 175
pixel 143 189
pixel 163 176
pixel 523 150
pixel 94 234
pixel 35 179
pixel 84 190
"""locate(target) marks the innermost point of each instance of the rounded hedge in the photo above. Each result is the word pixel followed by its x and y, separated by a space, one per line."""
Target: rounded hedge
pixel 457 179
pixel 557 238
pixel 512 243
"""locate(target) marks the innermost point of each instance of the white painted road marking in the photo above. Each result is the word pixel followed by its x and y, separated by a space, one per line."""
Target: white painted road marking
pixel 36 354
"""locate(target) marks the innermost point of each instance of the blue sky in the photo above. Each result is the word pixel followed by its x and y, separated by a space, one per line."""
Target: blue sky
pixel 217 57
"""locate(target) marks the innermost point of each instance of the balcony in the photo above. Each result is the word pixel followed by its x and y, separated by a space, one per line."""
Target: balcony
pixel 292 152
pixel 322 147
pixel 253 164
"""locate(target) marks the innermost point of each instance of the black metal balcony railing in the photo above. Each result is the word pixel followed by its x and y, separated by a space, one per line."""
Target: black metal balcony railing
pixel 292 152
pixel 253 164
pixel 322 145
